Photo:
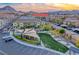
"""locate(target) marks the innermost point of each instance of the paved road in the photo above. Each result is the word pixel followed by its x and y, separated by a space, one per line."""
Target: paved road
pixel 14 48
pixel 1 53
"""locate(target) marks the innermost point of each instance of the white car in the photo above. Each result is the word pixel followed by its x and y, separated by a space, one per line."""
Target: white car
pixel 7 38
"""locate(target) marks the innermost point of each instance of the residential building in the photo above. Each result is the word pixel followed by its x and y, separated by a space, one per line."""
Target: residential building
pixel 26 20
pixel 41 16
pixel 71 21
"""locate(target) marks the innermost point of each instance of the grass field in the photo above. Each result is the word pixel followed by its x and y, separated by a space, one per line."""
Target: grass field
pixel 49 42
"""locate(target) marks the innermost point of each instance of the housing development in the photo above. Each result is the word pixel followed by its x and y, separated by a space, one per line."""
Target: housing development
pixel 39 30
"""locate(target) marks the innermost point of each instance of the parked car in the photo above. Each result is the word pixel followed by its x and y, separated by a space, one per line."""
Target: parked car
pixel 64 26
pixel 76 31
pixel 58 24
pixel 68 28
pixel 7 39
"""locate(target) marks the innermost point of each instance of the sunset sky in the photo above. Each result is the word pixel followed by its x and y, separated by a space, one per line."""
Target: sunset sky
pixel 41 7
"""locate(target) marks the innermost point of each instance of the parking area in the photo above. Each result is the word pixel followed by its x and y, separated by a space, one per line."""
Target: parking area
pixel 14 48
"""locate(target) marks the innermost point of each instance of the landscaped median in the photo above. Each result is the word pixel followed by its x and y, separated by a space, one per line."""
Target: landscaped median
pixel 34 42
pixel 49 42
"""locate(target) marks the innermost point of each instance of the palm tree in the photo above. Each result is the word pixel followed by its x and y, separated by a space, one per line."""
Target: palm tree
pixel 24 27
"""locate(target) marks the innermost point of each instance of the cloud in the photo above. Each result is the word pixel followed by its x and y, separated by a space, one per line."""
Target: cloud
pixel 34 7
pixel 41 7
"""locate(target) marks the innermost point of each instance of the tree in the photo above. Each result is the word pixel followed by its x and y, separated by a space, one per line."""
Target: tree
pixel 71 24
pixel 24 27
pixel 46 26
pixel 77 43
pixel 58 21
pixel 61 31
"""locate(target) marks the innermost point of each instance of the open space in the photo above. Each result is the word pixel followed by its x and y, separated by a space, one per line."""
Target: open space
pixel 49 42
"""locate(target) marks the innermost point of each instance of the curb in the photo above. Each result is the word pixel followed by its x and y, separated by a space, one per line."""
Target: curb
pixel 26 44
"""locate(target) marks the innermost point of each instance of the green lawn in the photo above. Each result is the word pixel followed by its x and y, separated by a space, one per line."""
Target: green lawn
pixel 34 42
pixel 49 42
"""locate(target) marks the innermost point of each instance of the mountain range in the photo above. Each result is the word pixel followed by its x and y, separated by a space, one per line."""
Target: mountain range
pixel 7 9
